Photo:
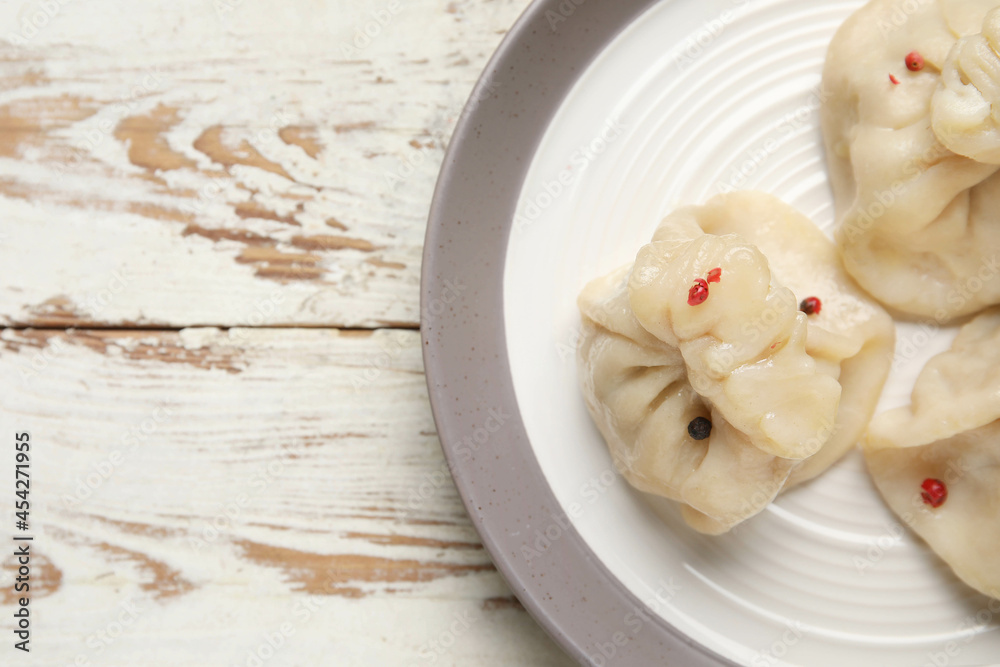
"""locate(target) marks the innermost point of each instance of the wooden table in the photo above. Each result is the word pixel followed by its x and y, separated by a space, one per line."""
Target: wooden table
pixel 211 220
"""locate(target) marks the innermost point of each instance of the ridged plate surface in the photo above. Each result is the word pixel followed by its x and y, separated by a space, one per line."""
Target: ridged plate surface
pixel 694 98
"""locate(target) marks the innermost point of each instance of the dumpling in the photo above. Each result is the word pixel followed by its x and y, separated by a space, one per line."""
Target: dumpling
pixel 709 384
pixel 962 113
pixel 914 155
pixel 937 462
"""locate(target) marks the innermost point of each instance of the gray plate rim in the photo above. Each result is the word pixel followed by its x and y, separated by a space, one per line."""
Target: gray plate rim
pixel 566 588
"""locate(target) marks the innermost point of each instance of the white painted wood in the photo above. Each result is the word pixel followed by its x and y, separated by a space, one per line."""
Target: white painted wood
pixel 223 481
pixel 174 163
pixel 236 163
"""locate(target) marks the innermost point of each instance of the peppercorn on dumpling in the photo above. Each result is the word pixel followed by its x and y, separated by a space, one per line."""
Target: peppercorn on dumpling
pixel 937 462
pixel 910 125
pixel 706 326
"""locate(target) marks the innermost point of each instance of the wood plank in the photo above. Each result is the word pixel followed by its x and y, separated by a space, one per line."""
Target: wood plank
pixel 226 162
pixel 245 485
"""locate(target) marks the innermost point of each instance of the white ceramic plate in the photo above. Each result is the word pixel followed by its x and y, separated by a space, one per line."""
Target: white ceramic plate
pixel 695 97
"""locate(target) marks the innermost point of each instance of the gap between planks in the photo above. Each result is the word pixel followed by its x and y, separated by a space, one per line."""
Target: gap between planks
pixel 153 328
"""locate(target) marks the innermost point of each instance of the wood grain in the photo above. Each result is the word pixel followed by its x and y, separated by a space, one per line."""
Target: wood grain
pixel 178 162
pixel 269 492
pixel 215 478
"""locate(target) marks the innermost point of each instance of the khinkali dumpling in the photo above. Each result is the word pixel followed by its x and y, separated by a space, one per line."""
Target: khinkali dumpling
pixel 914 155
pixel 786 393
pixel 946 445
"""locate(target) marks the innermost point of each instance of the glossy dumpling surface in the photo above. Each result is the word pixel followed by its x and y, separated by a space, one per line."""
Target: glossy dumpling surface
pixel 950 433
pixel 787 394
pixel 914 164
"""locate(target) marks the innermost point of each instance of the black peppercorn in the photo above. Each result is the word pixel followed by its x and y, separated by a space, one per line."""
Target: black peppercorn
pixel 699 428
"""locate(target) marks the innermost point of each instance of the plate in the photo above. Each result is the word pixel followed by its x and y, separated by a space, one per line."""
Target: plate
pixel 592 122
